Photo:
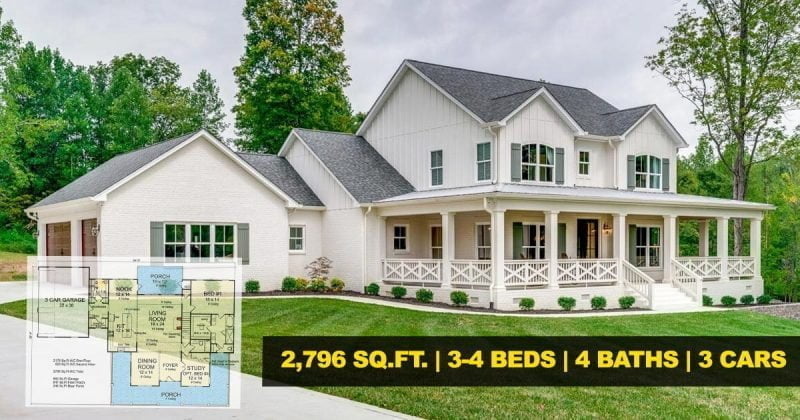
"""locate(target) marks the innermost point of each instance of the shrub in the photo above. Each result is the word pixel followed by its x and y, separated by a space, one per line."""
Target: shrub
pixel 289 284
pixel 526 304
pixel 337 284
pixel 459 298
pixel 598 303
pixel 424 295
pixel 252 286
pixel 302 284
pixel 319 268
pixel 728 300
pixel 747 299
pixel 317 285
pixel 398 292
pixel 17 239
pixel 708 300
pixel 566 303
pixel 373 289
pixel 764 299
pixel 626 302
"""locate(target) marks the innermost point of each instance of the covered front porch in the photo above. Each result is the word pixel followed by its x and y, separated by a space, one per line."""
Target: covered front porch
pixel 509 249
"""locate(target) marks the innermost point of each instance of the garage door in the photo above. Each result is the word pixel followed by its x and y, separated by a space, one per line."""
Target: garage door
pixel 58 239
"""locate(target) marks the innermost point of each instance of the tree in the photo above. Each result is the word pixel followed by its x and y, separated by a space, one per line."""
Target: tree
pixel 292 73
pixel 736 64
pixel 129 121
pixel 209 106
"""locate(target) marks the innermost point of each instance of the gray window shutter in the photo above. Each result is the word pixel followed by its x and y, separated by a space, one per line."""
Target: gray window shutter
pixel 631 172
pixel 516 227
pixel 632 244
pixel 559 165
pixel 243 242
pixel 156 239
pixel 516 162
pixel 665 174
pixel 562 239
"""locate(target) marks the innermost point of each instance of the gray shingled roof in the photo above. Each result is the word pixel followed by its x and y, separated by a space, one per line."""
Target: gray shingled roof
pixel 493 97
pixel 358 166
pixel 112 171
pixel 281 173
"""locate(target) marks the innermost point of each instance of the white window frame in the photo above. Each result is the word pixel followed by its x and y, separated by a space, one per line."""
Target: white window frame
pixel 395 237
pixel 648 172
pixel 478 246
pixel 486 161
pixel 302 239
pixel 647 247
pixel 588 163
pixel 435 168
pixel 187 243
pixel 430 241
pixel 539 248
pixel 537 166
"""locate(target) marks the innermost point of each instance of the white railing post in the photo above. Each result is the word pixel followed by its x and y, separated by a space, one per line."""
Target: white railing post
pixel 722 247
pixel 498 253
pixel 448 247
pixel 755 246
pixel 551 244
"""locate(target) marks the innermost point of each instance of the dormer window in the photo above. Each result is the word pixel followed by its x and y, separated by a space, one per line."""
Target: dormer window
pixel 648 172
pixel 538 163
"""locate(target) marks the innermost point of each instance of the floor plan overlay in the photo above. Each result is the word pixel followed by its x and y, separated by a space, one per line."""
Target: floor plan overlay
pixel 162 335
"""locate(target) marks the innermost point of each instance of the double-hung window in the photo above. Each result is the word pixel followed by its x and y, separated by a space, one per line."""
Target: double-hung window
pixel 484 161
pixel 533 242
pixel 296 238
pixel 648 172
pixel 483 241
pixel 648 246
pixel 538 163
pixel 400 239
pixel 437 168
pixel 583 163
pixel 202 242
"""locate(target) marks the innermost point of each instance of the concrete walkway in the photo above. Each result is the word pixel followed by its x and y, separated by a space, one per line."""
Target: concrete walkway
pixel 257 402
pixel 13 290
pixel 421 308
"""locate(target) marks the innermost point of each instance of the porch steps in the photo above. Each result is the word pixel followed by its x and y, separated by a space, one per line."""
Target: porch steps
pixel 667 297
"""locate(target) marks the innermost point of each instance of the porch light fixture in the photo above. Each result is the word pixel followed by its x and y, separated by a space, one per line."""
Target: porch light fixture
pixel 606 229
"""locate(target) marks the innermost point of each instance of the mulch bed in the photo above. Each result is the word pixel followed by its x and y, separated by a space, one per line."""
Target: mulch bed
pixel 412 301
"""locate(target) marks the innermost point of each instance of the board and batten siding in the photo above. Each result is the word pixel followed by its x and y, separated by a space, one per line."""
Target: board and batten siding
pixel 327 188
pixel 537 123
pixel 647 138
pixel 199 184
pixel 601 164
pixel 417 119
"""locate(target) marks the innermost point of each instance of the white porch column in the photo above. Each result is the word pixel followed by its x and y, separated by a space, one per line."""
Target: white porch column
pixel 448 246
pixel 755 245
pixel 498 253
pixel 381 248
pixel 551 245
pixel 702 229
pixel 722 246
pixel 620 233
pixel 670 244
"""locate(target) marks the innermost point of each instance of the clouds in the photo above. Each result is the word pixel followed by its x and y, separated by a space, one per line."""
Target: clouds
pixel 599 45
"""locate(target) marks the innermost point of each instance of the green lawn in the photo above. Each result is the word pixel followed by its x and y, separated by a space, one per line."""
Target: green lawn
pixel 309 316
pixel 13 266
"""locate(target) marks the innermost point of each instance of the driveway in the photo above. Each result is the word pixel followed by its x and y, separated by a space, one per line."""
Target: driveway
pixel 257 402
pixel 13 290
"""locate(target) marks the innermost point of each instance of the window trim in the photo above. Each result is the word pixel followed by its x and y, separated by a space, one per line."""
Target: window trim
pixel 536 165
pixel 431 168
pixel 302 238
pixel 588 163
pixel 647 247
pixel 648 173
pixel 478 162
pixel 187 243
pixel 405 250
pixel 478 246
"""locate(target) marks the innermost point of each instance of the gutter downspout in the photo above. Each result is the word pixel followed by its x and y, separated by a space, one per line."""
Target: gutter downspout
pixel 495 152
pixel 364 243
pixel 616 168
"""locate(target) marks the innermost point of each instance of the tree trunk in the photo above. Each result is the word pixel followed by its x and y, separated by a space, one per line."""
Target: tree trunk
pixel 739 191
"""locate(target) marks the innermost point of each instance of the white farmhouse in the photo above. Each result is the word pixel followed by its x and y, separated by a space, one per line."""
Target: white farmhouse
pixel 457 180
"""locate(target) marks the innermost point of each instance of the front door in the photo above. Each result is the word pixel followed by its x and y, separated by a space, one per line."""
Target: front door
pixel 588 238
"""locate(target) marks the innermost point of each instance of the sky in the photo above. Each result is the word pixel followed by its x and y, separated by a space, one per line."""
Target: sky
pixel 598 45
